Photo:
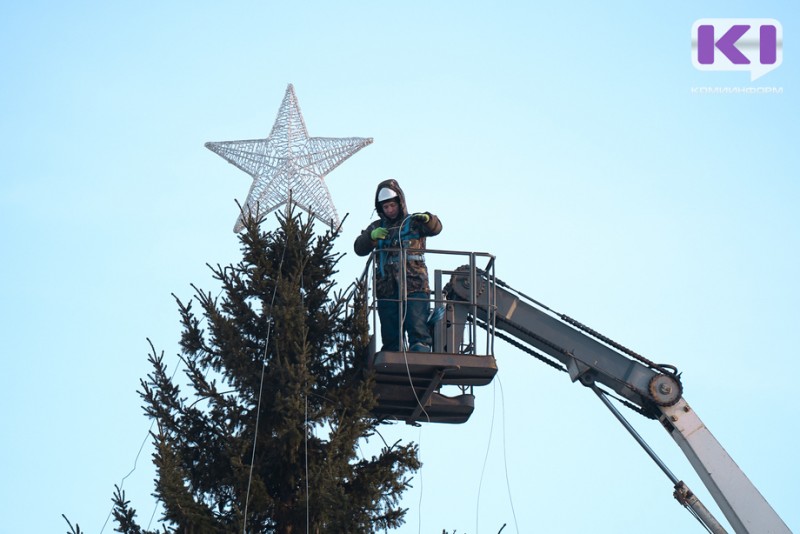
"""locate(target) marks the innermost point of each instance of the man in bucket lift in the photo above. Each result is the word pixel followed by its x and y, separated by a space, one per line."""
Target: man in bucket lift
pixel 398 230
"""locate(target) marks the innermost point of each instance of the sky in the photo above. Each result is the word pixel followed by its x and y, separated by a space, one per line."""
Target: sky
pixel 576 142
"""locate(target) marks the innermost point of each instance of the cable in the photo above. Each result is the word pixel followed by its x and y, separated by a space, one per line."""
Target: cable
pixel 260 390
pixel 485 459
pixel 305 427
pixel 247 498
pixel 306 454
pixel 141 448
pixel 403 302
pixel 421 486
pixel 505 462
pixel 122 482
pixel 155 509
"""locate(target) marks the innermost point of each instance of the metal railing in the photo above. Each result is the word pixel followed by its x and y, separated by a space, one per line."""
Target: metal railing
pixel 455 315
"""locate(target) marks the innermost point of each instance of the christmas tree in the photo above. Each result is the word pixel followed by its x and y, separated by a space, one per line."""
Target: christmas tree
pixel 263 435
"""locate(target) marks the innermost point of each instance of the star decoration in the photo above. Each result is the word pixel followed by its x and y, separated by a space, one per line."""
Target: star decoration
pixel 289 166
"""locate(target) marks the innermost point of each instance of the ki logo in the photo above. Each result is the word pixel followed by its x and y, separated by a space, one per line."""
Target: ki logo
pixel 754 45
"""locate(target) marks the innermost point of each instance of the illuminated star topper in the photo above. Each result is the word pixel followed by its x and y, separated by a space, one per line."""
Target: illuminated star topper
pixel 289 166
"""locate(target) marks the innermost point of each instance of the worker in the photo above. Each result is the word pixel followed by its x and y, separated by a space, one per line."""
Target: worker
pixel 398 230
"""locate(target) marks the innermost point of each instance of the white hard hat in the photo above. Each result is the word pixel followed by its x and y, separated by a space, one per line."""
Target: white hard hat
pixel 386 194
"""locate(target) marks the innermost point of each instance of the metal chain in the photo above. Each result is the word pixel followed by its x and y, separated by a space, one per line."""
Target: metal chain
pixel 666 369
pixel 663 368
pixel 560 367
pixel 555 365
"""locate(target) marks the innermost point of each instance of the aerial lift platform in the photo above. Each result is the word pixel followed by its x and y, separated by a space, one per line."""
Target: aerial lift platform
pixel 471 307
pixel 408 384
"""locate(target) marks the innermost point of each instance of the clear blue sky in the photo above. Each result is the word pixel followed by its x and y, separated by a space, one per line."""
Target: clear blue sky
pixel 566 139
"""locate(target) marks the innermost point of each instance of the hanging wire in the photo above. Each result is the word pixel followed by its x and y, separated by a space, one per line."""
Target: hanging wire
pixel 404 309
pixel 152 516
pixel 403 302
pixel 485 459
pixel 421 485
pixel 306 427
pixel 260 390
pixel 308 501
pixel 403 318
pixel 138 453
pixel 250 477
pixel 122 482
pixel 505 462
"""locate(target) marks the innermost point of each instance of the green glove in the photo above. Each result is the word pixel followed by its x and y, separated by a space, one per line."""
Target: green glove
pixel 379 233
pixel 422 217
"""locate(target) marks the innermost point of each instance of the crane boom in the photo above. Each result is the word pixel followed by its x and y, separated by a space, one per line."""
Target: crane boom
pixel 408 384
pixel 655 389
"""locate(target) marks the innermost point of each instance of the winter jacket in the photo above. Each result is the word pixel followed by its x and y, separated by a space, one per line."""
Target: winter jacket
pixel 406 233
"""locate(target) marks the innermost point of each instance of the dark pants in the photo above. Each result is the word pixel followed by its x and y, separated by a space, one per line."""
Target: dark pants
pixel 415 324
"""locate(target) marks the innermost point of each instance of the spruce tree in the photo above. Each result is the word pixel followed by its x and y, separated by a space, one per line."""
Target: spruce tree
pixel 279 400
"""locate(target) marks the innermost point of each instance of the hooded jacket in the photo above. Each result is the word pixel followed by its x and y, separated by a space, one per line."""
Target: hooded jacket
pixel 404 232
